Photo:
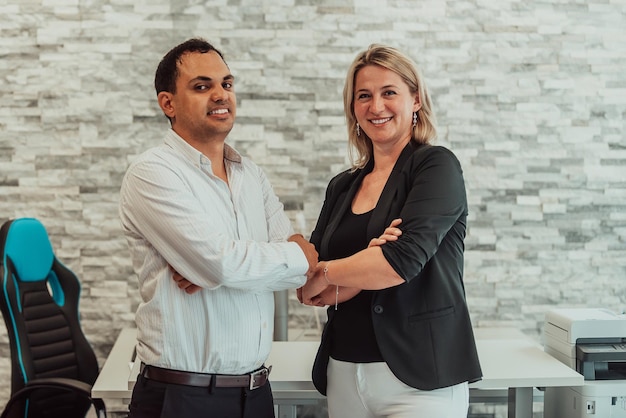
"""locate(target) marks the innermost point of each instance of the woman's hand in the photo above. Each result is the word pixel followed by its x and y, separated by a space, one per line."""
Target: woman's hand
pixel 391 233
pixel 315 284
pixel 318 292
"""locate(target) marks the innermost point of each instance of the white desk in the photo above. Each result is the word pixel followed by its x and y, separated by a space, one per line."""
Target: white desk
pixel 113 380
pixel 510 362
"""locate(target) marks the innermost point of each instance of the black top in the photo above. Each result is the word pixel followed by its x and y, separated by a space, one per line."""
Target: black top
pixel 353 337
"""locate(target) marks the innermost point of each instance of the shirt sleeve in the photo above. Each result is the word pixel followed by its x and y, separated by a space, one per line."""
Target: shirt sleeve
pixel 279 229
pixel 435 209
pixel 158 206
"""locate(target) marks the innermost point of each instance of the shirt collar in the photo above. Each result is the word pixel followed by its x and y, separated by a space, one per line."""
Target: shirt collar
pixel 179 144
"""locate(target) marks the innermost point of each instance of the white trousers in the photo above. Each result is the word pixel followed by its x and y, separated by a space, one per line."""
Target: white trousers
pixel 370 390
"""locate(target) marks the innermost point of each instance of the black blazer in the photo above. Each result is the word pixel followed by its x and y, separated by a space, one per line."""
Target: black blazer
pixel 423 326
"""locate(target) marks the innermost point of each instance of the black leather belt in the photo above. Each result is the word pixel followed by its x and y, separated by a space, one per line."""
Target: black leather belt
pixel 252 380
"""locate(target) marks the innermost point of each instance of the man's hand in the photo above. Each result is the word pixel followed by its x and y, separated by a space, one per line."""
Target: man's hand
pixel 309 252
pixel 183 283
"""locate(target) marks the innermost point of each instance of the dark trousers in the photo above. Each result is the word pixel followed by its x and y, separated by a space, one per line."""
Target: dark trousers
pixel 152 399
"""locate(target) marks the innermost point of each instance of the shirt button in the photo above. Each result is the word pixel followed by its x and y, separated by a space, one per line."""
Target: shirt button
pixel 378 309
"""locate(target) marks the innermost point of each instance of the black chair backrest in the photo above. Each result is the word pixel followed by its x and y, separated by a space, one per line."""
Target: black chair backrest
pixel 39 299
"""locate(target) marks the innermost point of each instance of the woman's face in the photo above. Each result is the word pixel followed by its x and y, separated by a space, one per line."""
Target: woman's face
pixel 384 106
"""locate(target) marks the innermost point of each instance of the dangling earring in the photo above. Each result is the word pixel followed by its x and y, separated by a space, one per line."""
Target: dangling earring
pixel 358 130
pixel 414 119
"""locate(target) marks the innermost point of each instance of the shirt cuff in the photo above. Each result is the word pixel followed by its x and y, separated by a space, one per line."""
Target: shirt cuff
pixel 296 260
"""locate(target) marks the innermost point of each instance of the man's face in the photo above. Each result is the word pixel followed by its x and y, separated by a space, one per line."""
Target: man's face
pixel 204 106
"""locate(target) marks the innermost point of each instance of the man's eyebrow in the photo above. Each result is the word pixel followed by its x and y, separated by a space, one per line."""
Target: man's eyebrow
pixel 229 77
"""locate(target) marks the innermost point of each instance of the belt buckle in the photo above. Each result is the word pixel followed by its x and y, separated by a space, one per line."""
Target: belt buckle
pixel 264 371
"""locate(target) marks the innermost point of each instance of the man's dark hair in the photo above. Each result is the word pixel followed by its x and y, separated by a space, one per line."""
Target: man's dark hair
pixel 167 71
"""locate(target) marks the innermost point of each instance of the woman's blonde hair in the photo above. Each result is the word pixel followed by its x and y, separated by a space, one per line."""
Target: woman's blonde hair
pixel 393 60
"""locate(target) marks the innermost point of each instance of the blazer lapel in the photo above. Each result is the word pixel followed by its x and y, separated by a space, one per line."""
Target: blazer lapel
pixel 380 217
pixel 344 204
pixel 379 220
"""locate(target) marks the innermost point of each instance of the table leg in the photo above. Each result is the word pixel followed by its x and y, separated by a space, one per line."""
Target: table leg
pixel 520 403
pixel 286 411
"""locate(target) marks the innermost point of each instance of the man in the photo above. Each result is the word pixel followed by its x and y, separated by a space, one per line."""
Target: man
pixel 195 208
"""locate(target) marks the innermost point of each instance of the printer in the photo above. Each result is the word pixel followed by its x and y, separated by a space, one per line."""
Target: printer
pixel 592 342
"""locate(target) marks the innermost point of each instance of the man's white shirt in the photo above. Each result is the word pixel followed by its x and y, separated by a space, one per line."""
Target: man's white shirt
pixel 230 239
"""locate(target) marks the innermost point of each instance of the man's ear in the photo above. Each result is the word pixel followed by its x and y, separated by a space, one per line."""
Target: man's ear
pixel 165 102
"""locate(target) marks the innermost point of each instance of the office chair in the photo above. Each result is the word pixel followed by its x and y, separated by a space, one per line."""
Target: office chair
pixel 52 364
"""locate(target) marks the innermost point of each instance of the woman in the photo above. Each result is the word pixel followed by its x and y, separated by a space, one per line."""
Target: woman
pixel 398 341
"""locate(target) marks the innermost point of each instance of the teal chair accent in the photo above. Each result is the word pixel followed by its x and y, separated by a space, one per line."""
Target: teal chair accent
pixel 53 366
